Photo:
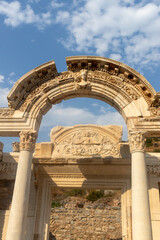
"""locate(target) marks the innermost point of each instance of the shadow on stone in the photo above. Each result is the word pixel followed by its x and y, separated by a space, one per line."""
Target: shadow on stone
pixel 51 236
pixel 116 239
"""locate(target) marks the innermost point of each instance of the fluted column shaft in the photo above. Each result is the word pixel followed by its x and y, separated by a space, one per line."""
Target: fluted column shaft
pixel 19 208
pixel 141 220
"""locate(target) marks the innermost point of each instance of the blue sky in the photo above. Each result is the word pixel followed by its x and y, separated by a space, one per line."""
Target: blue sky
pixel 35 31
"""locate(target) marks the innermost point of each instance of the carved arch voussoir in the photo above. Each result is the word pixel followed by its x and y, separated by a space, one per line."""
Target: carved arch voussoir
pixel 87 76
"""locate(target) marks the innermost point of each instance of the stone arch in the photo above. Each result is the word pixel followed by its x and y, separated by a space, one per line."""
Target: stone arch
pixel 108 80
pixel 87 76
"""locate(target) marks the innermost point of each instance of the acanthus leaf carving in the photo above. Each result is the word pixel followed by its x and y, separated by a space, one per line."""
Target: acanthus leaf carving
pixel 136 141
pixel 27 140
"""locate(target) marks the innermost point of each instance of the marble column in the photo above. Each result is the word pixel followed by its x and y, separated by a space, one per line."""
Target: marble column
pixel 141 220
pixel 18 214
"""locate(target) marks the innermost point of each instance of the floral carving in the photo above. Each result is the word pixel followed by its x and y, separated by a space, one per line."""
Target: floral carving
pixel 27 140
pixel 136 141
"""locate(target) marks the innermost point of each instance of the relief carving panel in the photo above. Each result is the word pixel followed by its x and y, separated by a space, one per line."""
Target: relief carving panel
pixel 85 142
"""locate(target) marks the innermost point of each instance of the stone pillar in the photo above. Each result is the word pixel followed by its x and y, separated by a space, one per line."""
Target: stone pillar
pixel 141 220
pixel 18 214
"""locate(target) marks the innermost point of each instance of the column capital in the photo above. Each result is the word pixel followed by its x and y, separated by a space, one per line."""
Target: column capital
pixel 27 140
pixel 136 141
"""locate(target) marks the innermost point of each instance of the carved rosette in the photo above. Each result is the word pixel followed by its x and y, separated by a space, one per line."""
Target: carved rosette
pixel 27 140
pixel 136 141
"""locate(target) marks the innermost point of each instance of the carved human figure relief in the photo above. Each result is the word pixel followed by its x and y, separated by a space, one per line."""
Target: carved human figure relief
pixel 86 143
pixel 81 81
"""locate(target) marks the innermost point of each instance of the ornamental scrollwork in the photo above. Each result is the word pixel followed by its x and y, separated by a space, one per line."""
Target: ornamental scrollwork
pixel 27 140
pixel 136 141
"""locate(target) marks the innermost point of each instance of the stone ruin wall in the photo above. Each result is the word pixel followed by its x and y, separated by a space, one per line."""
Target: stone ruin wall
pixel 78 219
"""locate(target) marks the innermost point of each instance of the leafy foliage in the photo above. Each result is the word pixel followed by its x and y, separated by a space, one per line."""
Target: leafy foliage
pixel 56 204
pixel 76 192
pixel 95 195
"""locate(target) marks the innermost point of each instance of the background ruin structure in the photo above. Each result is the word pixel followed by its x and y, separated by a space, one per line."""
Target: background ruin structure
pixel 80 156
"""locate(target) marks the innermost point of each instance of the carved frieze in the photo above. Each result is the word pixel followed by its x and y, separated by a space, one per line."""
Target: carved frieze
pixel 136 141
pixel 27 140
pixel 153 170
pixel 29 82
pixel 85 142
pixel 7 168
pixel 6 112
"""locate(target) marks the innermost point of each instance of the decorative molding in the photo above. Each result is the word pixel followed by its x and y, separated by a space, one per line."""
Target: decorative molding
pixel 27 140
pixel 81 71
pixel 153 169
pixel 6 112
pixel 156 100
pixel 16 146
pixel 29 82
pixel 69 175
pixel 113 68
pixel 7 168
pixel 155 111
pixel 136 141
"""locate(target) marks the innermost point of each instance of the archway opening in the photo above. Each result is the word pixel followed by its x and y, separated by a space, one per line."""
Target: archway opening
pixel 80 111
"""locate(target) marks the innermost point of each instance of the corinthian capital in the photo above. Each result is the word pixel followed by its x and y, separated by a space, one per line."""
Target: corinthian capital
pixel 27 140
pixel 136 141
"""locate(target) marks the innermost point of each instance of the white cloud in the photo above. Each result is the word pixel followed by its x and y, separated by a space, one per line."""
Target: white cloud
pixel 56 4
pixel 123 29
pixel 4 92
pixel 1 78
pixel 69 116
pixel 12 74
pixel 14 15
